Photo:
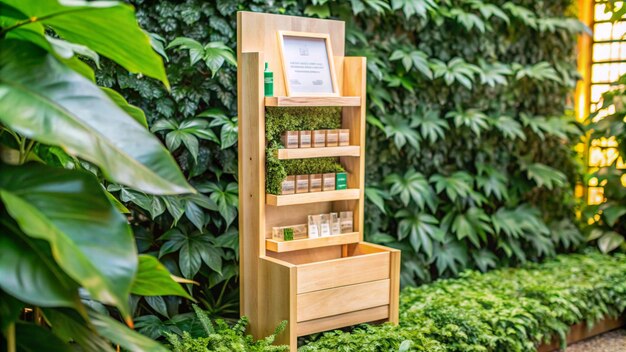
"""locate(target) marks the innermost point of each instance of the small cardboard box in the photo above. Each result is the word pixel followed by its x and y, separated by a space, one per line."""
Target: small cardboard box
pixel 318 139
pixel 315 183
pixel 288 186
pixel 302 184
pixel 332 138
pixel 305 139
pixel 346 220
pixel 341 180
pixel 290 139
pixel 344 137
pixel 328 182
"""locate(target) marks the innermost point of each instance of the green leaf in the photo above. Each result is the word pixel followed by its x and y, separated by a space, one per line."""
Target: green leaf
pixel 612 212
pixel 414 7
pixel 31 338
pixel 509 128
pixel 43 100
pixel 29 272
pixel 457 185
pixel 468 20
pixel 472 118
pixel 215 54
pixel 540 71
pixel 412 186
pixel 415 58
pixel 153 279
pixel 420 228
pixel 67 50
pixel 196 50
pixel 90 240
pixel 402 132
pixel 133 111
pixel 193 250
pixel 377 196
pixel 492 182
pixel 123 336
pixel 10 308
pixel 109 28
pixel 544 175
pixel 69 326
pixel 610 241
pixel 225 196
pixel 431 125
pixel 456 70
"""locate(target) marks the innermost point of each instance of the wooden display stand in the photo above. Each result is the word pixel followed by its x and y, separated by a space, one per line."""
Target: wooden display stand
pixel 315 284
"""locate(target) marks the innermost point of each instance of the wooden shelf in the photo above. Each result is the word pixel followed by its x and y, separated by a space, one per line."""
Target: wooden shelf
pixel 312 197
pixel 313 101
pixel 307 243
pixel 304 153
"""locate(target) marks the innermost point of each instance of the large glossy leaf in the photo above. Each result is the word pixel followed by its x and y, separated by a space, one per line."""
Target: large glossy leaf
pixel 46 101
pixel 35 338
pixel 29 272
pixel 90 240
pixel 153 279
pixel 10 310
pixel 69 326
pixel 107 27
pixel 121 335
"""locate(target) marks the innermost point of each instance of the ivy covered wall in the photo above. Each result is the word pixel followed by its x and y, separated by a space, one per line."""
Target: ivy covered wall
pixel 470 161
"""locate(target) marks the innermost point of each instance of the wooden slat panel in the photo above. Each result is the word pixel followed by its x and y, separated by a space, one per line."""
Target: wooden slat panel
pixel 344 271
pixel 308 243
pixel 313 197
pixel 319 304
pixel 580 332
pixel 304 153
pixel 279 278
pixel 341 320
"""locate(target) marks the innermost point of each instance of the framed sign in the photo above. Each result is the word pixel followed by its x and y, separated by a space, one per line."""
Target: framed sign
pixel 308 64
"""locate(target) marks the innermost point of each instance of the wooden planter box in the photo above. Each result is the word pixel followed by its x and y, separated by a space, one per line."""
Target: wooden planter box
pixel 321 283
pixel 333 287
pixel 580 332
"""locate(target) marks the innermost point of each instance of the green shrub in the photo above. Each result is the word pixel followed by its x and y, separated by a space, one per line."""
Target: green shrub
pixel 221 337
pixel 503 310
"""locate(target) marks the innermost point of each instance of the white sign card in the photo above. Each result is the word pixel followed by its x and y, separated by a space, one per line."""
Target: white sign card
pixel 308 64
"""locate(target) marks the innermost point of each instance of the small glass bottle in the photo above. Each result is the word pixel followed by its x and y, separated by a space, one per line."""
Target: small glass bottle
pixel 268 79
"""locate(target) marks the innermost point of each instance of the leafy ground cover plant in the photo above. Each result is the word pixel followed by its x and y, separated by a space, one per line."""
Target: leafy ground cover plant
pixel 66 249
pixel 503 310
pixel 219 336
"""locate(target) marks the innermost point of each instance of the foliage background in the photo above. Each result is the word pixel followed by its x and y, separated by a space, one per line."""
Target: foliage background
pixel 474 95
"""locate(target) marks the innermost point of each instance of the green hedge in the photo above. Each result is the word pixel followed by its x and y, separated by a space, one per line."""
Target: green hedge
pixel 503 310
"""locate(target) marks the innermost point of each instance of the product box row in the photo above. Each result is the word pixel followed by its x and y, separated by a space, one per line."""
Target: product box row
pixel 316 138
pixel 321 225
pixel 314 183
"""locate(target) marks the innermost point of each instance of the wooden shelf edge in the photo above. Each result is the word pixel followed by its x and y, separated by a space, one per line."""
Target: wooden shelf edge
pixel 304 153
pixel 312 197
pixel 308 243
pixel 313 101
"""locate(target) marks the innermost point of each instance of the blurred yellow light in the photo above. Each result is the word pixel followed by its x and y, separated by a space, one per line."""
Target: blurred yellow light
pixel 596 157
pixel 593 181
pixel 620 164
pixel 596 217
pixel 595 195
pixel 623 180
pixel 579 190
